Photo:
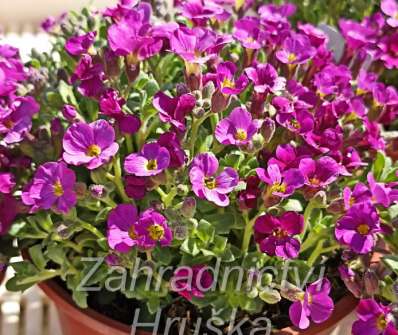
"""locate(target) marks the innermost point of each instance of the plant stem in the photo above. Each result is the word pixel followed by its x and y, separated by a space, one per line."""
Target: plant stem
pixel 248 232
pixel 194 133
pixel 129 143
pixel 118 180
pixel 89 227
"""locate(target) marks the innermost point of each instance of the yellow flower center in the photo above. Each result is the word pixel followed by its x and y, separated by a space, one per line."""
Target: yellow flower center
pixel 352 201
pixel 93 150
pixel 210 183
pixel 278 187
pixel 133 235
pixel 152 164
pixel 295 124
pixel 249 39
pixel 315 181
pixel 292 57
pixel 241 134
pixel 280 233
pixel 381 322
pixel 58 189
pixel 156 232
pixel 363 229
pixel 9 124
pixel 228 83
pixel 360 91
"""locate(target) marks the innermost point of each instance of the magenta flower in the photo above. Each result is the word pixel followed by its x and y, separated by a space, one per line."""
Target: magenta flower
pixel 192 282
pixel 296 49
pixel 237 128
pixel 287 156
pixel 319 173
pixel 152 229
pixel 52 187
pixel 248 198
pixel 298 121
pixel 78 45
pixel 388 46
pixel 207 185
pixel 265 78
pixel 136 187
pixel 315 304
pixel 317 36
pixel 249 33
pixel 275 234
pixel 374 319
pixel 131 37
pixel 90 76
pixel 8 212
pixel 152 160
pixel 356 34
pixel 382 194
pixel 200 12
pixel 7 182
pixel 111 103
pixel 122 228
pixel 281 184
pixel 333 79
pixel 171 142
pixel 277 13
pixel 195 45
pixel 360 193
pixel 91 144
pixel 174 110
pixel 225 79
pixel 69 112
pixel 357 228
pixel 390 8
pixel 16 121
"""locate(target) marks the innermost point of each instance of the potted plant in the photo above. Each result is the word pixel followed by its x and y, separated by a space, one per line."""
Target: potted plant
pixel 223 173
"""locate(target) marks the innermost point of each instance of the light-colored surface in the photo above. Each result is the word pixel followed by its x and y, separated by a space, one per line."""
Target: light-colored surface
pixel 26 15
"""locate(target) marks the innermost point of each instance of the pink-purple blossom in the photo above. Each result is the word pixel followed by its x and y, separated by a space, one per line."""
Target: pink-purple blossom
pixel 78 45
pixel 314 304
pixel 150 161
pixel 52 187
pixel 296 49
pixel 90 144
pixel 275 234
pixel 238 128
pixel 390 8
pixel 210 185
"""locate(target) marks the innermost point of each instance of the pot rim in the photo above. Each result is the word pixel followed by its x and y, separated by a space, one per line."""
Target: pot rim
pixel 63 300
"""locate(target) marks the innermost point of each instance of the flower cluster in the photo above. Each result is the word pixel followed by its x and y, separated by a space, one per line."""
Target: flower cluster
pixel 231 135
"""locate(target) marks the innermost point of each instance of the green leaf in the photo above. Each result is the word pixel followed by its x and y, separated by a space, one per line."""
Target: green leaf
pixel 37 256
pixel 66 93
pixel 162 255
pixel 190 246
pixel 222 222
pixel 392 262
pixel 205 231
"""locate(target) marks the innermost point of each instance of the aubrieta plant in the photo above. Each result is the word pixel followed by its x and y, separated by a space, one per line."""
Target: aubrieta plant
pixel 227 139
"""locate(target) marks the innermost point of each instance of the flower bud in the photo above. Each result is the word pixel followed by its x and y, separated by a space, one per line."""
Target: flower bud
pixel 270 296
pixel 157 205
pixel 206 104
pixel 81 189
pixel 188 208
pixel 182 190
pixel 208 90
pixel 181 89
pixel 97 191
pixel 320 199
pixel 268 129
pixel 290 291
pixel 371 282
pixel 198 112
pixel 180 232
pixel 69 112
pixel 219 102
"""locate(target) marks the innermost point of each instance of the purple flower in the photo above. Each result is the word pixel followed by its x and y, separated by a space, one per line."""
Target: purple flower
pixel 52 187
pixel 315 304
pixel 281 184
pixel 381 193
pixel 317 36
pixel 388 46
pixel 153 230
pixel 207 185
pixel 128 124
pixel 319 173
pixel 78 45
pixel 152 160
pixel 196 45
pixel 265 78
pixel 357 35
pixel 277 13
pixel 248 198
pixel 111 103
pixel 16 121
pixel 296 49
pixel 286 156
pixel 275 234
pixel 91 144
pixel 191 282
pixel 171 142
pixel 122 228
pixel 298 121
pixel 174 110
pixel 359 194
pixel 136 187
pixel 69 112
pixel 8 212
pixel 7 182
pixel 357 228
pixel 90 76
pixel 237 128
pixel 390 8
pixel 333 79
pixel 199 11
pixel 374 319
pixel 225 78
pixel 131 37
pixel 249 33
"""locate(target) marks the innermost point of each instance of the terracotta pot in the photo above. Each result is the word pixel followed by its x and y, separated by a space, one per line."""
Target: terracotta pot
pixel 76 321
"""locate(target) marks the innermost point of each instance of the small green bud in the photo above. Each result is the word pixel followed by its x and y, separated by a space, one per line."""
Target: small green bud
pixel 270 296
